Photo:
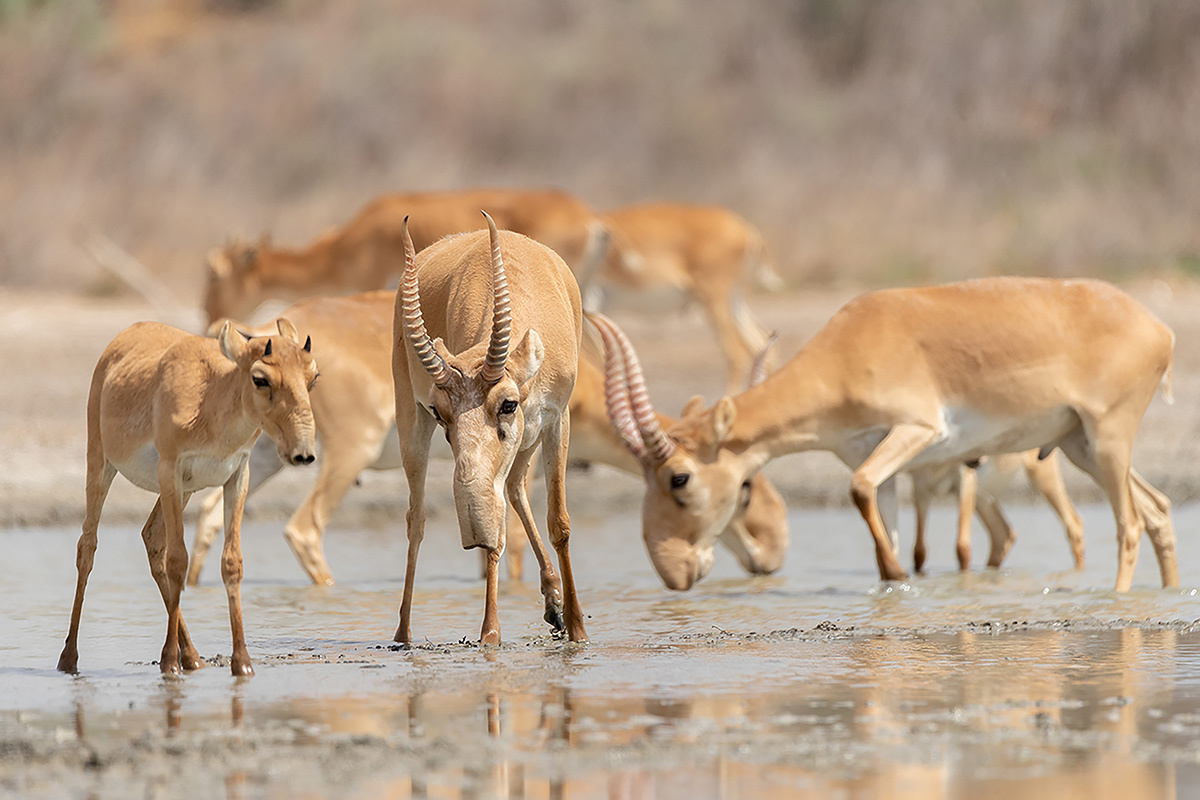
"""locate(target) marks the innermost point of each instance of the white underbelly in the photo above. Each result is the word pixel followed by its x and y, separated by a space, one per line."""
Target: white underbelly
pixel 969 435
pixel 196 471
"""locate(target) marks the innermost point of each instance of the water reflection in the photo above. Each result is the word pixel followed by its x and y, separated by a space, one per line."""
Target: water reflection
pixel 1034 714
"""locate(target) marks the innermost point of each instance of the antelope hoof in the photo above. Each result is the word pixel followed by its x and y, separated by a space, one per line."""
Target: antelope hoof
pixel 69 662
pixel 241 670
pixel 191 663
pixel 167 667
pixel 492 638
pixel 554 616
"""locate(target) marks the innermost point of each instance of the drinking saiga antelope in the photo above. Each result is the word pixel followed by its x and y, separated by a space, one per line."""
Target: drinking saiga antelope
pixel 460 307
pixel 908 379
pixel 175 413
pixel 354 408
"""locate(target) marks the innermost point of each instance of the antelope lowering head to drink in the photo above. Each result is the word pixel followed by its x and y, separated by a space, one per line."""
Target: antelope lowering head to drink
pixel 907 379
pixel 175 413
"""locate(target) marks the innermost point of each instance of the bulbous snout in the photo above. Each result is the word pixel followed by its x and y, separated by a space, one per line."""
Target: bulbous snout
pixel 296 440
pixel 480 507
pixel 679 564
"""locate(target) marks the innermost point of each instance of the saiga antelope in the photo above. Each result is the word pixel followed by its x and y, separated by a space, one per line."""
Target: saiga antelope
pixel 459 307
pixel 354 409
pixel 368 252
pixel 908 379
pixel 174 413
pixel 977 489
pixel 707 252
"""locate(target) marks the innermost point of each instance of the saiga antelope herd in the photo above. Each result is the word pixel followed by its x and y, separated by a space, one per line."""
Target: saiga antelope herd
pixel 354 408
pixel 485 342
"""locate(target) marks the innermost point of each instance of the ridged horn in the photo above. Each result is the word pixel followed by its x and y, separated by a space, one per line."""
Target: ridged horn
pixel 497 352
pixel 414 323
pixel 616 390
pixel 658 446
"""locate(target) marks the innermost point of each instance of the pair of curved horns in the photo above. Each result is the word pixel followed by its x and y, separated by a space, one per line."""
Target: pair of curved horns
pixel 414 323
pixel 625 395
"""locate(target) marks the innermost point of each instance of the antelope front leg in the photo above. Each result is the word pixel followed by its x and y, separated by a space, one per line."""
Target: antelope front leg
pixel 175 559
pixel 518 498
pixel 897 448
pixel 155 539
pixel 490 632
pixel 231 565
pixel 554 453
pixel 416 463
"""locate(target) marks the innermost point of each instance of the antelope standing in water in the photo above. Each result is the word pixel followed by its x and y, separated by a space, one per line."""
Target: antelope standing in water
pixel 909 379
pixel 175 413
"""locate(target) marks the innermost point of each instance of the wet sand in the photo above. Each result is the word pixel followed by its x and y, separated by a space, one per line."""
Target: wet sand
pixel 819 681
pixel 816 682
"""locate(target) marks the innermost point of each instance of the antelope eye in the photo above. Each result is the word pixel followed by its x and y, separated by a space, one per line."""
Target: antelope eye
pixel 679 480
pixel 508 406
pixel 261 382
pixel 313 382
pixel 437 416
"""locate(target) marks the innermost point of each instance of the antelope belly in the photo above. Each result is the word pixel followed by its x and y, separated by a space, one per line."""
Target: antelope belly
pixel 969 434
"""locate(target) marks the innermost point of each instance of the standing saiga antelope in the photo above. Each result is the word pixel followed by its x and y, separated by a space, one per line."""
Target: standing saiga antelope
pixel 354 408
pixel 459 308
pixel 907 379
pixel 367 252
pixel 707 252
pixel 175 413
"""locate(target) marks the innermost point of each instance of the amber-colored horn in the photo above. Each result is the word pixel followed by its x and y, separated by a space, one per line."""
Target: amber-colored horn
pixel 616 390
pixel 414 323
pixel 658 446
pixel 497 352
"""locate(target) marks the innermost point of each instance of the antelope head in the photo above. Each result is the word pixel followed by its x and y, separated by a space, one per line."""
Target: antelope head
pixel 693 485
pixel 279 373
pixel 233 287
pixel 476 397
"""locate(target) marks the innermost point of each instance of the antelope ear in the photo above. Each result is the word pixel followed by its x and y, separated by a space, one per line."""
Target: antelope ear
pixel 233 343
pixel 219 265
pixel 526 359
pixel 692 406
pixel 287 329
pixel 724 413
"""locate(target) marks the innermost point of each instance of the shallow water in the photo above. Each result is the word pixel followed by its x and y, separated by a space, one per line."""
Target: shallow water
pixel 819 681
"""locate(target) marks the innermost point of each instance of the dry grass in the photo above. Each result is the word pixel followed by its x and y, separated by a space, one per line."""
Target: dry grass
pixel 874 142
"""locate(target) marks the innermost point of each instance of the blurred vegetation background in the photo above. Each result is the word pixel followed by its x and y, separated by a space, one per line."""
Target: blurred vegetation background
pixel 873 141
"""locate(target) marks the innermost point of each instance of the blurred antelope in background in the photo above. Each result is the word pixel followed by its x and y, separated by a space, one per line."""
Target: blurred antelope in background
pixel 977 489
pixel 709 253
pixel 354 408
pixel 368 252
pixel 910 379
pixel 175 413
pixel 460 306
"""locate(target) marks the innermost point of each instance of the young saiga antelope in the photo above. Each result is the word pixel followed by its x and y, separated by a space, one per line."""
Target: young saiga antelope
pixel 459 307
pixel 907 379
pixel 174 413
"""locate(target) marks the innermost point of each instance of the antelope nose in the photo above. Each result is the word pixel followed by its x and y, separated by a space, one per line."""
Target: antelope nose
pixel 303 458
